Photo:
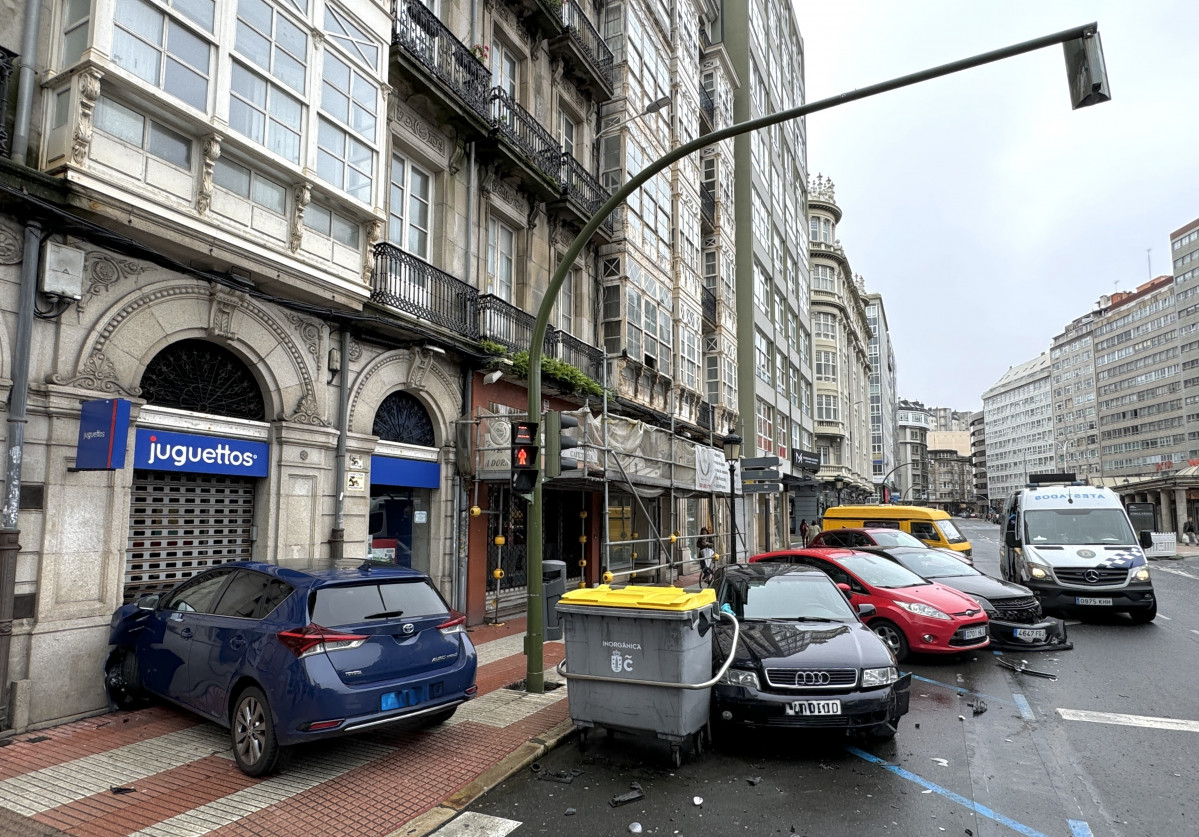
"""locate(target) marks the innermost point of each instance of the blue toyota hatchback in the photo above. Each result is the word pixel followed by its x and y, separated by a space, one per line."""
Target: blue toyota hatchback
pixel 283 657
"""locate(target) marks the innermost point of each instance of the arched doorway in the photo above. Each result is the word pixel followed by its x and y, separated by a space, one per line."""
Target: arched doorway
pixel 399 513
pixel 184 518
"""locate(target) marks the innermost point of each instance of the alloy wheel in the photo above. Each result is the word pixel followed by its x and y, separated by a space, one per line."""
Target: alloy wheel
pixel 249 733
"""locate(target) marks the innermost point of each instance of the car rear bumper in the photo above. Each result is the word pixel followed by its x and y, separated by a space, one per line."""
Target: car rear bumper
pixel 859 710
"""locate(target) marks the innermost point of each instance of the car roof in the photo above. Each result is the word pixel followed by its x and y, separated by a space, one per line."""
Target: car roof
pixel 329 577
pixel 811 552
pixel 772 570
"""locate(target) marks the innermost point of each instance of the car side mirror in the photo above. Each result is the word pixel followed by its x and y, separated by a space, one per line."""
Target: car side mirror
pixel 1146 539
pixel 845 588
pixel 865 611
pixel 148 602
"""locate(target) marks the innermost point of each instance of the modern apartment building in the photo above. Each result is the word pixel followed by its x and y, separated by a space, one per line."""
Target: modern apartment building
pixel 883 397
pixel 1075 416
pixel 772 272
pixel 298 240
pixel 978 461
pixel 1184 247
pixel 947 418
pixel 913 421
pixel 1018 412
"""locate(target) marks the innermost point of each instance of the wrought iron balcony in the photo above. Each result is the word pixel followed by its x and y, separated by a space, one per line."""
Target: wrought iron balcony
pixel 709 305
pixel 504 323
pixel 585 358
pixel 589 46
pixel 522 130
pixel 707 106
pixel 7 59
pixel 402 281
pixel 422 35
pixel 704 419
pixel 581 188
pixel 707 204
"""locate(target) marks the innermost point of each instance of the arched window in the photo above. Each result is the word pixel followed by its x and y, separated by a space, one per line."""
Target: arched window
pixel 401 418
pixel 205 378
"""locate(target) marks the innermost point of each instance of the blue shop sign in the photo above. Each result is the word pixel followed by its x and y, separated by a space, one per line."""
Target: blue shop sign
pixel 161 450
pixel 103 434
pixel 413 473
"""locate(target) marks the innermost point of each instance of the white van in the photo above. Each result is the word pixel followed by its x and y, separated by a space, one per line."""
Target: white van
pixel 1072 545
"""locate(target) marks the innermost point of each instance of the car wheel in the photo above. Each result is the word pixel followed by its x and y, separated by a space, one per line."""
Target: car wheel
pixel 255 746
pixel 1145 615
pixel 890 633
pixel 122 682
pixel 439 717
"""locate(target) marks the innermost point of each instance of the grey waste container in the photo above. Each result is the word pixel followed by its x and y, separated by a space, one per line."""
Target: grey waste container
pixel 659 636
pixel 553 586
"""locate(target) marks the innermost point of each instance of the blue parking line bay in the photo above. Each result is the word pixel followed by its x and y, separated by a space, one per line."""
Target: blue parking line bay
pixel 960 690
pixel 969 804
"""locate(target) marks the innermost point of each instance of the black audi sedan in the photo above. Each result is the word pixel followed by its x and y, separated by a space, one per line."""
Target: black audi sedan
pixel 804 659
pixel 1014 615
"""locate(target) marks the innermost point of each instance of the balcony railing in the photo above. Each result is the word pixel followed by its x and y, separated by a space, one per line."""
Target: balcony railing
pixel 707 204
pixel 504 323
pixel 418 31
pixel 526 133
pixel 581 185
pixel 709 303
pixel 7 59
pixel 704 419
pixel 578 354
pixel 588 37
pixel 406 283
pixel 707 104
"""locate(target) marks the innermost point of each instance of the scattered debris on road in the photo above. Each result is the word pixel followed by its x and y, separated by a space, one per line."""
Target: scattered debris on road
pixel 979 707
pixel 625 798
pixel 1022 668
pixel 122 790
pixel 754 780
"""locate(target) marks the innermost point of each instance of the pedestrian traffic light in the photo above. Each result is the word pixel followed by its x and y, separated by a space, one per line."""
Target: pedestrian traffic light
pixel 524 456
pixel 556 442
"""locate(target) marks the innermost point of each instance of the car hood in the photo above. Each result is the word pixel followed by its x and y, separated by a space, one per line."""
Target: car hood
pixel 985 586
pixel 934 594
pixel 1106 557
pixel 806 645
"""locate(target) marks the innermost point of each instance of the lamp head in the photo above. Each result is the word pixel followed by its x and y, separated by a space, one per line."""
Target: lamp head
pixel 657 105
pixel 732 446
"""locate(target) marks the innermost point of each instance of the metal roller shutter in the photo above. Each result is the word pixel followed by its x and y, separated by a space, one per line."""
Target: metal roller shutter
pixel 180 524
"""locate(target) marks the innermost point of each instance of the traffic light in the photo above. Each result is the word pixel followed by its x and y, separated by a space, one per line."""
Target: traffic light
pixel 524 456
pixel 556 442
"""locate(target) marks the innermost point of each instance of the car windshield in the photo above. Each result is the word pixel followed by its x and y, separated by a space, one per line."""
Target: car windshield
pixel 786 597
pixel 879 572
pixel 1061 527
pixel 895 538
pixel 929 563
pixel 356 604
pixel 950 531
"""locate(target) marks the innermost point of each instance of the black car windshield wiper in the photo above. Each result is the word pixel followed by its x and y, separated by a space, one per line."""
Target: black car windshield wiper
pixel 384 614
pixel 811 619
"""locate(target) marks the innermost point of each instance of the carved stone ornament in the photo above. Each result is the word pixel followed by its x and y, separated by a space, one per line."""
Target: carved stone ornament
pixel 12 248
pixel 303 193
pixel 211 145
pixel 504 12
pixel 104 270
pixel 222 312
pixel 310 333
pixel 355 350
pixel 89 92
pixel 374 234
pixel 420 129
pixel 307 412
pixel 98 373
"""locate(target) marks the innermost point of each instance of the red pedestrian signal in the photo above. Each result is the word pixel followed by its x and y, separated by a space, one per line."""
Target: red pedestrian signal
pixel 525 450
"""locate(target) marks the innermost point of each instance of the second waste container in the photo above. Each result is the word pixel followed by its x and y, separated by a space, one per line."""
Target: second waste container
pixel 631 654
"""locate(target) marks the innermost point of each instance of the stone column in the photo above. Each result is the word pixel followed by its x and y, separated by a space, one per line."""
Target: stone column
pixel 1164 504
pixel 1180 507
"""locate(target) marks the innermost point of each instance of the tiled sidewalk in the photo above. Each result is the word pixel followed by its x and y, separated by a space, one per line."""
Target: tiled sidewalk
pixel 184 781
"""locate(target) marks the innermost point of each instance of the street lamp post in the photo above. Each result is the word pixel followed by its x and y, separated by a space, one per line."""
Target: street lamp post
pixel 732 452
pixel 1088 86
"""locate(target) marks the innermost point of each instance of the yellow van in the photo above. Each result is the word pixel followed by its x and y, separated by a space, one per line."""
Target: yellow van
pixel 932 526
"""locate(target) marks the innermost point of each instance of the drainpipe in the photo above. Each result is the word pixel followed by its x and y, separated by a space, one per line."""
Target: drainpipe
pixel 337 538
pixel 18 398
pixel 26 78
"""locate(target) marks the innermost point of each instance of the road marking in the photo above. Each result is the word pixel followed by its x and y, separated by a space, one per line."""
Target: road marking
pixel 1025 710
pixel 1078 828
pixel 1176 724
pixel 957 689
pixel 970 804
pixel 474 824
pixel 1163 616
pixel 40 790
pixel 1173 571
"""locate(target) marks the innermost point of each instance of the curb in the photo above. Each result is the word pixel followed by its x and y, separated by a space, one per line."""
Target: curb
pixel 510 765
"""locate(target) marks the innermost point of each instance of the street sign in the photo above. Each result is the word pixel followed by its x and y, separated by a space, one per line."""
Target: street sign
pixel 760 476
pixel 762 488
pixel 760 462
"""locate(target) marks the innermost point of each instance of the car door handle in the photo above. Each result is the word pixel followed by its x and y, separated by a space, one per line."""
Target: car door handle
pixel 186 633
pixel 237 643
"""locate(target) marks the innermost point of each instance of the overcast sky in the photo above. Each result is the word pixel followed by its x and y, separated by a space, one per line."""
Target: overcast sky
pixel 986 211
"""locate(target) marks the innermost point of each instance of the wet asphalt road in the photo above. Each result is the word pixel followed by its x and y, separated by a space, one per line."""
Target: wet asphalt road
pixel 1030 764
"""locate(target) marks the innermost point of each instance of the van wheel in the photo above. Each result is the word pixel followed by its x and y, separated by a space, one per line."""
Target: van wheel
pixel 890 634
pixel 1145 615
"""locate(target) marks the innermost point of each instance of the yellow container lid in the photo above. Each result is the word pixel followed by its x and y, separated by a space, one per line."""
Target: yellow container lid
pixel 645 597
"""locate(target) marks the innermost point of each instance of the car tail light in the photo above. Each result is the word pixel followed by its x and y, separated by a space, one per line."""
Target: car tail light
pixel 313 639
pixel 456 625
pixel 317 726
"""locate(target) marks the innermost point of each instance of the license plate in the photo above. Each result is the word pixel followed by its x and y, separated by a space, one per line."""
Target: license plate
pixel 1088 600
pixel 1030 633
pixel 814 707
pixel 974 633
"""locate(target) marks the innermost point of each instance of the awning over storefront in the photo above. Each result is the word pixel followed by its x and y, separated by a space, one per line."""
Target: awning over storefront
pixel 411 473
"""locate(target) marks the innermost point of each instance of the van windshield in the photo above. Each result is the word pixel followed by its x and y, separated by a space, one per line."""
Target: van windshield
pixel 950 531
pixel 1069 527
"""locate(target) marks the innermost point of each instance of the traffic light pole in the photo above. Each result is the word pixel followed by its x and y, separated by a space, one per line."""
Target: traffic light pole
pixel 535 637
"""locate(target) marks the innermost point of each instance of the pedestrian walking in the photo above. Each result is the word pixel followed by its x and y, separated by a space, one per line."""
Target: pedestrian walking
pixel 1188 532
pixel 813 530
pixel 706 554
pixel 803 532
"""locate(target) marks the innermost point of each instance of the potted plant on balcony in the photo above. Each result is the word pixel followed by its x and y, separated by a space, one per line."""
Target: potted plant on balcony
pixel 481 51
